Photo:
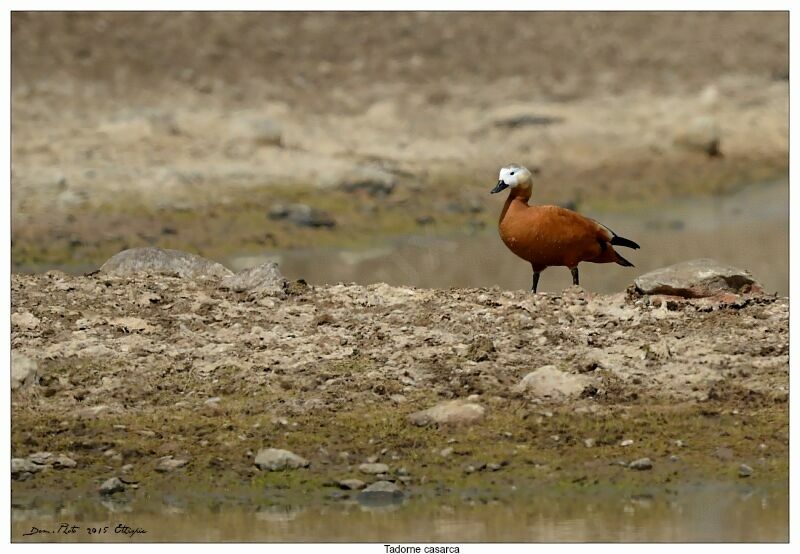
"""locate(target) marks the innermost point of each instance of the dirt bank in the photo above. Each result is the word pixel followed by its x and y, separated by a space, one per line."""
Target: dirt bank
pixel 128 132
pixel 135 369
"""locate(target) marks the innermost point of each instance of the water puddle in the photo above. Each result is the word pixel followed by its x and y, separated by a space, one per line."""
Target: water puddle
pixel 709 512
pixel 749 229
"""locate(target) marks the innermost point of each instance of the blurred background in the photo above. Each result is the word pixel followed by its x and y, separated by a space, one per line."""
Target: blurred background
pixel 362 146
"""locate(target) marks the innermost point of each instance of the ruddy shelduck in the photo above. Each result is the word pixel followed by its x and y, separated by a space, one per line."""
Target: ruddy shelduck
pixel 548 236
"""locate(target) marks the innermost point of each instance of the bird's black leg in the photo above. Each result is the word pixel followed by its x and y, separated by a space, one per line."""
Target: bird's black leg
pixel 574 271
pixel 535 280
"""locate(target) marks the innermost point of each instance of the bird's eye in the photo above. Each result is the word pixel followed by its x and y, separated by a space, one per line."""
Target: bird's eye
pixel 512 173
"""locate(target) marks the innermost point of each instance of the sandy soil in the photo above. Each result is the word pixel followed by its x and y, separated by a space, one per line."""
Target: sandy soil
pixel 132 370
pixel 127 131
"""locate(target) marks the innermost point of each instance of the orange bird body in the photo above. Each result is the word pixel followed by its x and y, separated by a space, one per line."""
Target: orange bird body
pixel 548 236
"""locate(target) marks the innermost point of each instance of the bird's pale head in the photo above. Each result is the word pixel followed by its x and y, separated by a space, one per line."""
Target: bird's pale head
pixel 512 175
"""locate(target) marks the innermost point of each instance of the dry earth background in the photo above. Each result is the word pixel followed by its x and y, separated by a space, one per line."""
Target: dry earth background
pixel 185 130
pixel 196 131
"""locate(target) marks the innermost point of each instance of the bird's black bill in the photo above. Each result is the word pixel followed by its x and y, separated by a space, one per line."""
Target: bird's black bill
pixel 500 186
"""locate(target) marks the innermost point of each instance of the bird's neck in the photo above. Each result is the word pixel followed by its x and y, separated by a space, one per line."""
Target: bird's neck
pixel 518 196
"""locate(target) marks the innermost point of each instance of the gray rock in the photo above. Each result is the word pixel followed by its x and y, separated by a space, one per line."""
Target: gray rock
pixel 64 462
pixel 697 279
pixel 24 320
pixel 168 463
pixel 23 371
pixel 275 459
pixel 452 412
pixel 111 486
pixel 41 458
pixel 301 215
pixel 550 382
pixel 351 484
pixel 745 470
pixel 21 468
pixel 163 261
pixel 641 464
pixel 373 469
pixel 381 493
pixel 263 278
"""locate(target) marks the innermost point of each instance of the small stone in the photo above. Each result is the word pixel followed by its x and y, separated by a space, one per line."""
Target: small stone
pixel 381 493
pixel 373 469
pixel 24 320
pixel 626 442
pixel 22 467
pixel 351 484
pixel 41 458
pixel 372 459
pixel 301 215
pixel 641 464
pixel 64 462
pixel 264 278
pixel 493 467
pixel 453 412
pixel 168 463
pixel 589 443
pixel 445 452
pixel 112 486
pixel 745 470
pixel 23 371
pixel 550 382
pixel 275 459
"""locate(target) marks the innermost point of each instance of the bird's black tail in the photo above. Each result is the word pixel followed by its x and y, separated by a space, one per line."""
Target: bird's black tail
pixel 622 261
pixel 619 241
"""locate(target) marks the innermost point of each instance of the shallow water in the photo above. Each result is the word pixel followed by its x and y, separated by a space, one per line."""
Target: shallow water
pixel 749 229
pixel 710 512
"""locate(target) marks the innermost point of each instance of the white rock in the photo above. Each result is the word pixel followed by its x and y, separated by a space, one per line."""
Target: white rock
pixel 275 459
pixel 550 382
pixel 450 412
pixel 23 371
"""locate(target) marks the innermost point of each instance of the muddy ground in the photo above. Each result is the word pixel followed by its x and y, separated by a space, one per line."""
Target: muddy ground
pixel 135 369
pixel 187 130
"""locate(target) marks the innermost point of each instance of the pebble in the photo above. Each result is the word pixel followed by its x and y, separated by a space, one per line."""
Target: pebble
pixel 373 469
pixel 445 452
pixel 641 464
pixel 451 412
pixel 275 459
pixel 381 493
pixel 626 442
pixel 589 443
pixel 745 470
pixel 112 486
pixel 168 463
pixel 351 484
pixel 23 371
